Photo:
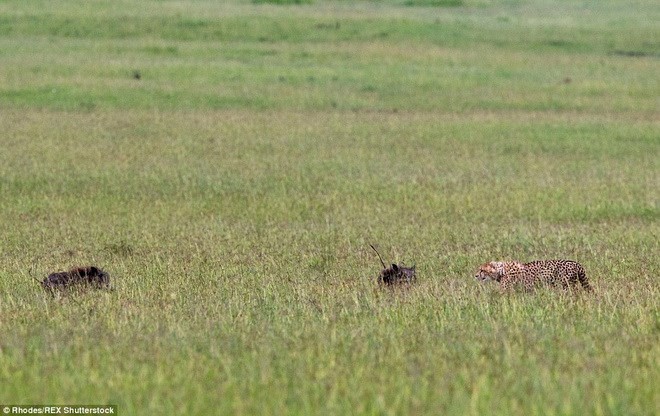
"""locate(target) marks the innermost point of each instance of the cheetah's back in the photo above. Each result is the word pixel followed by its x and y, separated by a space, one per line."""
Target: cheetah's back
pixel 564 273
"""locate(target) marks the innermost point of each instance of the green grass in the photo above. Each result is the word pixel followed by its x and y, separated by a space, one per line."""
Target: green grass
pixel 233 191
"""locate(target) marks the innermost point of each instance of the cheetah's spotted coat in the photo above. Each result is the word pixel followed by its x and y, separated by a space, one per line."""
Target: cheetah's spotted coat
pixel 563 273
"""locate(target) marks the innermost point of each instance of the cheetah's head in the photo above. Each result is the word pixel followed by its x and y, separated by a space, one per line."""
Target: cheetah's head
pixel 493 270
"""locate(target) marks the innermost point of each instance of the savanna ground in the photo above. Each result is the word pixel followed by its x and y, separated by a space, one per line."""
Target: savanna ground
pixel 232 192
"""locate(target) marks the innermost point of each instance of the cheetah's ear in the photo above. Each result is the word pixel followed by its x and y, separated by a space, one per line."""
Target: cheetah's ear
pixel 395 267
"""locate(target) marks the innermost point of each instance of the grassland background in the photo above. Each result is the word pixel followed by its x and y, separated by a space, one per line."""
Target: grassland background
pixel 233 190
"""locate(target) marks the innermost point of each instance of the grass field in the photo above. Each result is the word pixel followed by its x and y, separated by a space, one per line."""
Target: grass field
pixel 232 192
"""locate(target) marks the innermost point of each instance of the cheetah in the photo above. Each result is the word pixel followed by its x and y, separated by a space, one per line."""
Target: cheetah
pixel 564 273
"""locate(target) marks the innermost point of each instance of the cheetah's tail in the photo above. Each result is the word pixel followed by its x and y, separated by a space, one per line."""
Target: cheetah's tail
pixel 582 277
